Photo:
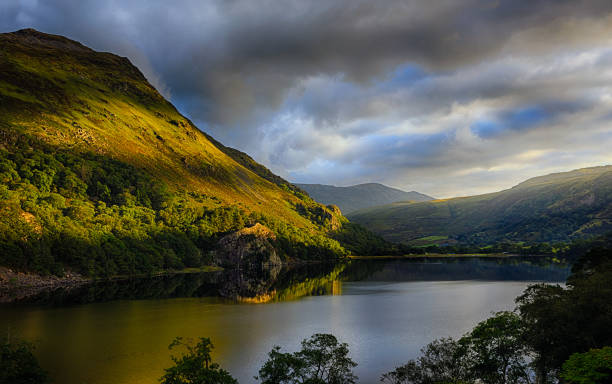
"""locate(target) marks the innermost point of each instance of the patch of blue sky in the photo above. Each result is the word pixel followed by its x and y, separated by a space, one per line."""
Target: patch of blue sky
pixel 515 120
pixel 526 117
pixel 405 75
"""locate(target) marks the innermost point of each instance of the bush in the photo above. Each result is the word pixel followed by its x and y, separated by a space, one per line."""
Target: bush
pixel 593 367
pixel 195 366
pixel 18 364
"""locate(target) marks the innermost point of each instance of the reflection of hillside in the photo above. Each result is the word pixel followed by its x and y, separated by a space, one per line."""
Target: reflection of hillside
pixel 250 284
pixel 502 269
pixel 324 283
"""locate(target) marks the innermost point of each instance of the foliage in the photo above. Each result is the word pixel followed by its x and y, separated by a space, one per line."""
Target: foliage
pixel 439 363
pixel 103 217
pixel 495 351
pixel 322 360
pixel 561 321
pixel 360 241
pixel 18 364
pixel 195 366
pixel 592 367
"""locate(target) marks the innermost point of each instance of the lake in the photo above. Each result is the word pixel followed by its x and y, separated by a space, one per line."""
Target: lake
pixel 386 310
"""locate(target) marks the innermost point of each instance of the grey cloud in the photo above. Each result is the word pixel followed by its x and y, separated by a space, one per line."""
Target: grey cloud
pixel 308 87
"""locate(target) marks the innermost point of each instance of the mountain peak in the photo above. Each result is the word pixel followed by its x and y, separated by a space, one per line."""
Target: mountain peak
pixel 360 196
pixel 30 36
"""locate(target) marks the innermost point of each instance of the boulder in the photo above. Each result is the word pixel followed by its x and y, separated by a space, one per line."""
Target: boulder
pixel 248 246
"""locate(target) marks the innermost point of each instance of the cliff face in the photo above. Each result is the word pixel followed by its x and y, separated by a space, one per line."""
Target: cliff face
pixel 248 246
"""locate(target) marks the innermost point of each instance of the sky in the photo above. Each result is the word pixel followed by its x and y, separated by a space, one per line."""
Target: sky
pixel 445 97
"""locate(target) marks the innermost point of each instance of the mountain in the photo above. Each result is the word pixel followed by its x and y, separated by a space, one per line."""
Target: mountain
pixel 555 207
pixel 102 175
pixel 356 197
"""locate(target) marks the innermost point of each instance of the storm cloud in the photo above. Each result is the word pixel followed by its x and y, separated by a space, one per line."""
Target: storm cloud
pixel 445 97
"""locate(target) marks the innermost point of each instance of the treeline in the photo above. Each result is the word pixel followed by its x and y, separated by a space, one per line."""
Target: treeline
pixel 568 250
pixel 101 217
pixel 555 334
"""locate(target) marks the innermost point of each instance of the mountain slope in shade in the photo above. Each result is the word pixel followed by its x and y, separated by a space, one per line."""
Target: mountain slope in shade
pixel 90 151
pixel 355 197
pixel 555 207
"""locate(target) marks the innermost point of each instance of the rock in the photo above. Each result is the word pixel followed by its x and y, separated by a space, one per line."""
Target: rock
pixel 248 246
pixel 335 222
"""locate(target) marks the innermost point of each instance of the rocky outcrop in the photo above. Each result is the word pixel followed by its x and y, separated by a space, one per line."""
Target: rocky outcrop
pixel 248 246
pixel 335 222
pixel 15 286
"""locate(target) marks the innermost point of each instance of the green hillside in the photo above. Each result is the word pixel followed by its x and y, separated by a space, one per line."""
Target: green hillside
pixel 100 174
pixel 356 197
pixel 556 207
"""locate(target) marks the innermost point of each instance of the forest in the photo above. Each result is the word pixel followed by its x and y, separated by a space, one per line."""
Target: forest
pixel 101 217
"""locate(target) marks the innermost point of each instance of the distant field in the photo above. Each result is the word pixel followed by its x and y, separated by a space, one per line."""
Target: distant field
pixel 429 240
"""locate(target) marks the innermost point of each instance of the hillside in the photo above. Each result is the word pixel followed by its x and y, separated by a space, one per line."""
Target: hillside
pixel 361 196
pixel 99 173
pixel 555 207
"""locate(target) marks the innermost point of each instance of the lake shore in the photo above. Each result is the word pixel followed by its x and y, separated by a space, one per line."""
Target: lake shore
pixel 16 286
pixel 441 255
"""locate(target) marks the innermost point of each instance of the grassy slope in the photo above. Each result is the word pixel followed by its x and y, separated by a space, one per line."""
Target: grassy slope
pixel 73 98
pixel 547 208
pixel 361 196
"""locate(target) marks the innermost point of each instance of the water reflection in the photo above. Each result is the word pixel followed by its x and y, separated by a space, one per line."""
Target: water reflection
pixel 259 285
pixel 386 310
pixel 458 268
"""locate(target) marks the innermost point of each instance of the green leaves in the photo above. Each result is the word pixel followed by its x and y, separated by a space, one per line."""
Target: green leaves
pixel 322 360
pixel 440 362
pixel 195 366
pixel 593 367
pixel 495 351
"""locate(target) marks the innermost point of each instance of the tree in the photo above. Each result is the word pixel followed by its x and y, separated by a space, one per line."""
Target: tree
pixel 439 362
pixel 322 360
pixel 592 367
pixel 495 352
pixel 196 366
pixel 562 321
pixel 18 364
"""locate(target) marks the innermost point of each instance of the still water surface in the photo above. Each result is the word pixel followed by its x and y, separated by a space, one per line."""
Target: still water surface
pixel 385 310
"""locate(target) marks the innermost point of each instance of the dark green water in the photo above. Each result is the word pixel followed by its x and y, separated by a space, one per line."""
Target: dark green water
pixel 386 310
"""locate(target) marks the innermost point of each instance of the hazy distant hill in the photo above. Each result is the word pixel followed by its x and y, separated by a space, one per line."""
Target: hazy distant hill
pixel 547 208
pixel 356 197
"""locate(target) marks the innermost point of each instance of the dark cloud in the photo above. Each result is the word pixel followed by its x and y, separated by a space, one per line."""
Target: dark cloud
pixel 371 91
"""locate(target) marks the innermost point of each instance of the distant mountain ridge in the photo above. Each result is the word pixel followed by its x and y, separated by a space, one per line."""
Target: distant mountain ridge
pixel 356 197
pixel 555 207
